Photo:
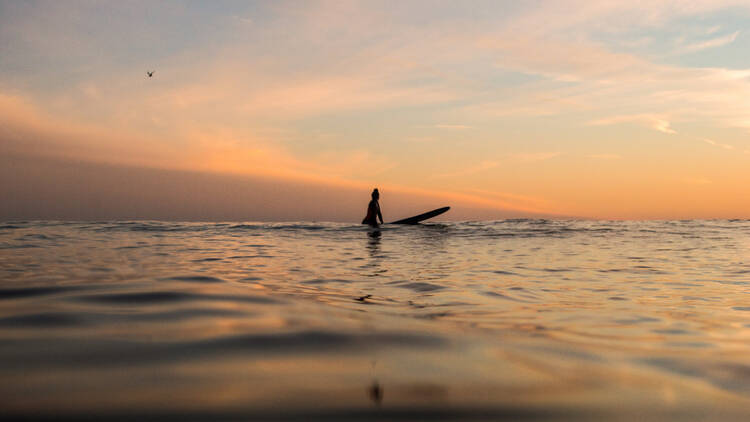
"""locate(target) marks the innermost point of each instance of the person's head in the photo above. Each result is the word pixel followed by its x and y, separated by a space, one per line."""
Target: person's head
pixel 375 194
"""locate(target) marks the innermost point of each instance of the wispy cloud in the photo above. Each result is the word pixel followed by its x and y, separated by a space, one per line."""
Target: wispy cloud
pixel 599 78
pixel 717 144
pixel 662 126
pixel 655 122
pixel 712 43
pixel 712 30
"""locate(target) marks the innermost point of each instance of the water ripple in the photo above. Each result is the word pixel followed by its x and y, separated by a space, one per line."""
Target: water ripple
pixel 146 298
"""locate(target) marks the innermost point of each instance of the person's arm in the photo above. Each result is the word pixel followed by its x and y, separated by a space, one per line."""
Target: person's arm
pixel 380 215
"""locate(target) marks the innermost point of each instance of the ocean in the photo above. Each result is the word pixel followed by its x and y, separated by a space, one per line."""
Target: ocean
pixel 513 319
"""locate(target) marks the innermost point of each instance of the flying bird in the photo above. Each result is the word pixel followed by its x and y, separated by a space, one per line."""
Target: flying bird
pixel 150 74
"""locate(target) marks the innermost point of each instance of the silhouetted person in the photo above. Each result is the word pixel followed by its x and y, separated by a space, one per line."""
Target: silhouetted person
pixel 373 210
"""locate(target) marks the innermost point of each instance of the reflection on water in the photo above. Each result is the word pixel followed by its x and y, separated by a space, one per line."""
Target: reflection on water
pixel 513 319
pixel 373 246
pixel 376 392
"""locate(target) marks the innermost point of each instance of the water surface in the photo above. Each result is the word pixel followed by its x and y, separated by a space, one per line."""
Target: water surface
pixel 511 319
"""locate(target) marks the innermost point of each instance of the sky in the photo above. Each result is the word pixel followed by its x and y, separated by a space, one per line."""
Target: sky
pixel 607 109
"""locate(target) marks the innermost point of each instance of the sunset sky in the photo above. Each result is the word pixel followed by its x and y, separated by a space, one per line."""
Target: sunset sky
pixel 599 109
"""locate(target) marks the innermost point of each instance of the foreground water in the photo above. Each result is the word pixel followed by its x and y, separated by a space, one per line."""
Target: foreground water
pixel 510 319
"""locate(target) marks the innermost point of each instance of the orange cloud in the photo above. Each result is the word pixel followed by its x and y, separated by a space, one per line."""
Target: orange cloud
pixel 28 131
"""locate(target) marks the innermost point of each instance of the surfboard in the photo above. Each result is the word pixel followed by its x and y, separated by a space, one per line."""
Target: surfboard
pixel 421 217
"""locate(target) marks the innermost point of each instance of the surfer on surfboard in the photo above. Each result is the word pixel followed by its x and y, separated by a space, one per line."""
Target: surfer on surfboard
pixel 373 210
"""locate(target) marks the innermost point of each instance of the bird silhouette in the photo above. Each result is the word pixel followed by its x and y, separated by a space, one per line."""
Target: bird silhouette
pixel 150 73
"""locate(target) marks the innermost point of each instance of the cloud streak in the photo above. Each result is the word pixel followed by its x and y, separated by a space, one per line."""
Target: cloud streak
pixel 717 144
pixel 712 43
pixel 657 123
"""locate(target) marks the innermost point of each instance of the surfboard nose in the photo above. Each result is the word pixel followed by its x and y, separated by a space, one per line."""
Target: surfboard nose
pixel 421 217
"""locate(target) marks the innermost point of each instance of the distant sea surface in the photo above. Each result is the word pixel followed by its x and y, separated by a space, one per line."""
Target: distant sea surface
pixel 514 319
